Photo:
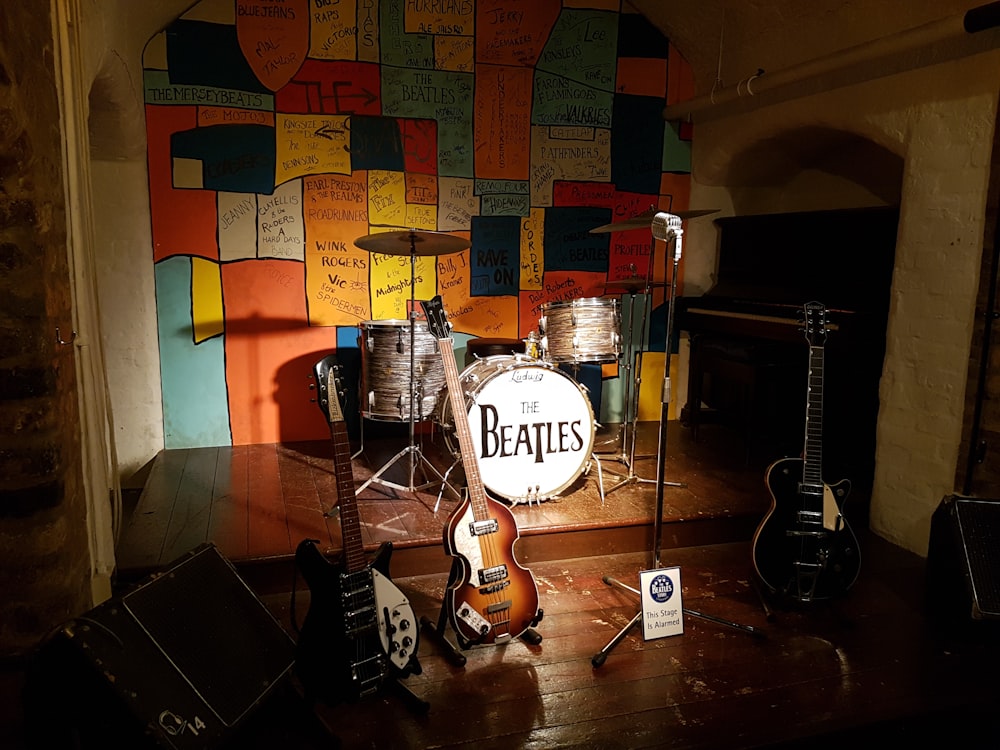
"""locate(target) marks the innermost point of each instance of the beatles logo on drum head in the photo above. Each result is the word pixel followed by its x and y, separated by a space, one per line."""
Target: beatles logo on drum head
pixel 532 427
pixel 535 438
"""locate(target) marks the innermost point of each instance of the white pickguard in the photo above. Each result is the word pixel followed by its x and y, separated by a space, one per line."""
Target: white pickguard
pixel 467 545
pixel 399 631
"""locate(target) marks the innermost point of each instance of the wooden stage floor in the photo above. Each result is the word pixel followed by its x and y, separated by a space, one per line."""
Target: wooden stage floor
pixel 257 502
pixel 870 667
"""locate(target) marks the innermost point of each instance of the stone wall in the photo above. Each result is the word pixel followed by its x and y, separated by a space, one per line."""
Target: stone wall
pixel 44 555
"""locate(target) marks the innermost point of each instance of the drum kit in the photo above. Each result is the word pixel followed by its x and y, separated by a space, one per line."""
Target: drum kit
pixel 389 359
pixel 532 423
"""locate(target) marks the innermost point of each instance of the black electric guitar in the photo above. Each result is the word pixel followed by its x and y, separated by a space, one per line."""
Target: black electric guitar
pixel 804 549
pixel 493 599
pixel 360 628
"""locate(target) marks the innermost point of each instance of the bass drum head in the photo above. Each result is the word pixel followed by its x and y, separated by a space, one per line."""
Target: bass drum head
pixel 532 426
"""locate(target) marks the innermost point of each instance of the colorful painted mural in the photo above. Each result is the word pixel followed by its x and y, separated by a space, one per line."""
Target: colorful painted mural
pixel 281 131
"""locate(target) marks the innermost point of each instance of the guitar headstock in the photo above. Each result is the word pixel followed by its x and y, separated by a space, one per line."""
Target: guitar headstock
pixel 814 314
pixel 330 386
pixel 334 392
pixel 437 319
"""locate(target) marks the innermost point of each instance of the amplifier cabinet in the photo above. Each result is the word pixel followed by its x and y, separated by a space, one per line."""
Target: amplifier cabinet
pixel 179 662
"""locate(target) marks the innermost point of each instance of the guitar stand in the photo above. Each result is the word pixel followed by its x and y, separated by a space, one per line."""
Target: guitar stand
pixel 668 228
pixel 414 702
pixel 436 631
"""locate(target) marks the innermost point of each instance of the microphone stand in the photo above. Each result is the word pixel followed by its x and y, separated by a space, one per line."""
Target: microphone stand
pixel 665 227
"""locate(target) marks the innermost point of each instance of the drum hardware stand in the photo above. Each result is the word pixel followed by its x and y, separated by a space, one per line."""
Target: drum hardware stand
pixel 412 449
pixel 529 496
pixel 594 457
pixel 630 393
pixel 630 396
pixel 665 227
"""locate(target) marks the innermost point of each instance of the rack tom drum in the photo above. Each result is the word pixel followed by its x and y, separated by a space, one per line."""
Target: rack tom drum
pixel 385 370
pixel 581 330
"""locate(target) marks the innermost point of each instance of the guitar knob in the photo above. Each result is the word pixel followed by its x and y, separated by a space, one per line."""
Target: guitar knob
pixel 390 628
pixel 393 647
pixel 465 612
pixel 404 625
pixel 407 641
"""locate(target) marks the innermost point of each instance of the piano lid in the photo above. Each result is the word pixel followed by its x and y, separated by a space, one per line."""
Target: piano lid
pixel 843 258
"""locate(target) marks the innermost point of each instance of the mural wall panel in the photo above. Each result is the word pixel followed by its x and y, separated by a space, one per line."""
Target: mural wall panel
pixel 281 131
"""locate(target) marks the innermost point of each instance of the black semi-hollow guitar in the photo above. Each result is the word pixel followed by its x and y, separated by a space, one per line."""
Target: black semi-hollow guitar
pixel 804 549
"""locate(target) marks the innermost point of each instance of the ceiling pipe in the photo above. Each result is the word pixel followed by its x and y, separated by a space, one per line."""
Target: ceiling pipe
pixel 950 38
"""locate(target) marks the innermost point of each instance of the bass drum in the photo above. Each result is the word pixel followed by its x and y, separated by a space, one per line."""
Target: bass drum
pixel 531 424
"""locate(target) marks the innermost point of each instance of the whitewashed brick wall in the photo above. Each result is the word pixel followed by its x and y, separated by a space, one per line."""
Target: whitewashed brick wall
pixel 940 121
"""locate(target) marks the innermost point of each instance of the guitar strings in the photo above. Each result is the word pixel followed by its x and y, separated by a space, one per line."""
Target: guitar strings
pixel 496 596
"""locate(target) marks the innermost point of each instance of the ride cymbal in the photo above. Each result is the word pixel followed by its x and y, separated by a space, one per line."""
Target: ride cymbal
pixel 412 242
pixel 645 219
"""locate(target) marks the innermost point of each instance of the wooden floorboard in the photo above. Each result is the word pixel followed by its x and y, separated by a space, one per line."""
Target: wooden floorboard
pixel 141 547
pixel 869 668
pixel 189 518
pixel 257 502
pixel 229 527
pixel 866 665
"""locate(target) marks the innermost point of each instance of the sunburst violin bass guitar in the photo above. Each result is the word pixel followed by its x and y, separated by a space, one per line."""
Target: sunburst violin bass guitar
pixel 804 549
pixel 493 599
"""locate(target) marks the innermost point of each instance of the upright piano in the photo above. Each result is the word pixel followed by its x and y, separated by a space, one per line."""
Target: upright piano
pixel 749 356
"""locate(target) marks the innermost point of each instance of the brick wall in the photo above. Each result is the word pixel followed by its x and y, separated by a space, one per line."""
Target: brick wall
pixel 44 557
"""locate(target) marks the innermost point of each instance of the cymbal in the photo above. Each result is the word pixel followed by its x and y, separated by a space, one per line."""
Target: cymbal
pixel 645 220
pixel 412 242
pixel 623 286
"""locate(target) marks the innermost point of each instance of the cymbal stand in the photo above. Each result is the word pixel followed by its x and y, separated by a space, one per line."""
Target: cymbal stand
pixel 412 450
pixel 632 377
pixel 665 227
pixel 631 390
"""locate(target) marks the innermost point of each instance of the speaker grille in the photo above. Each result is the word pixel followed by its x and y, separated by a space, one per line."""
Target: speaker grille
pixel 979 527
pixel 212 628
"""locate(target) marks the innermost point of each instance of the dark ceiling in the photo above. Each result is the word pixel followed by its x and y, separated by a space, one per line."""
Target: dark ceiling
pixel 726 41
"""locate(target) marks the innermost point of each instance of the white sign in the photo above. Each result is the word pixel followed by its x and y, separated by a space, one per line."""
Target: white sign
pixel 662 605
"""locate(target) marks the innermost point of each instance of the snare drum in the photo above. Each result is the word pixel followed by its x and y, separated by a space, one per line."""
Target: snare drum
pixel 385 370
pixel 531 425
pixel 581 330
